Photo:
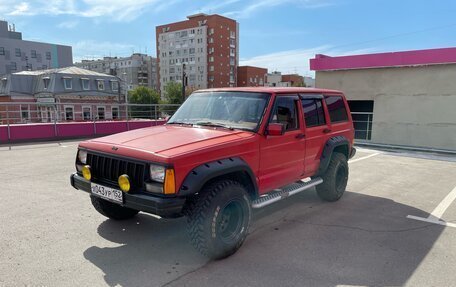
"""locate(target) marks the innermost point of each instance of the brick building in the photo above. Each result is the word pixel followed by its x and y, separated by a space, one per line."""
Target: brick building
pixel 248 76
pixel 295 80
pixel 205 45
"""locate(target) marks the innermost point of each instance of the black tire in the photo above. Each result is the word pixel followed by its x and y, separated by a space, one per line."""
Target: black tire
pixel 112 210
pixel 334 179
pixel 219 218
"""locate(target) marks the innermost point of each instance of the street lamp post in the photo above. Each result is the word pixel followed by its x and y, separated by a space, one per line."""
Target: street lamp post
pixel 184 75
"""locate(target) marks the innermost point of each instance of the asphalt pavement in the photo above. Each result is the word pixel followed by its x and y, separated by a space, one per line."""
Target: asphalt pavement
pixel 50 235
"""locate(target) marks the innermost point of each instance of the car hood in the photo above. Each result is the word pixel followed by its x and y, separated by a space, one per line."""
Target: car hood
pixel 166 140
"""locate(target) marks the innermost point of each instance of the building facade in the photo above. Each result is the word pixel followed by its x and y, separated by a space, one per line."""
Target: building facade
pixel 248 76
pixel 134 71
pixel 402 98
pixel 68 94
pixel 294 80
pixel 20 55
pixel 204 47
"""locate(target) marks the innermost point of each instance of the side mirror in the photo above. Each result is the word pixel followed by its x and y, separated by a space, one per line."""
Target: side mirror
pixel 275 129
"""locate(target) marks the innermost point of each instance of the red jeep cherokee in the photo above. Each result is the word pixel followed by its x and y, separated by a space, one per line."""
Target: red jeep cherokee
pixel 224 152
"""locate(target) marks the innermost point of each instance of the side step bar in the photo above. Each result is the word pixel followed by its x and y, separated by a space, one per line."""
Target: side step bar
pixel 285 192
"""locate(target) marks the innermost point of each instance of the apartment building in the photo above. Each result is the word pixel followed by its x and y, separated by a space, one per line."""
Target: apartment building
pixel 18 55
pixel 248 76
pixel 204 49
pixel 134 71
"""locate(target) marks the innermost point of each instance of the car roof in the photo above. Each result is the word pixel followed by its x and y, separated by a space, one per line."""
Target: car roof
pixel 277 90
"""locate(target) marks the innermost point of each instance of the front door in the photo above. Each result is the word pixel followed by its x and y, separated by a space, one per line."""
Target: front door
pixel 282 156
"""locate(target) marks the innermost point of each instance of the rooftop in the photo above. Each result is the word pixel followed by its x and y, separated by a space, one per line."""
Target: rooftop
pixel 383 60
pixel 68 70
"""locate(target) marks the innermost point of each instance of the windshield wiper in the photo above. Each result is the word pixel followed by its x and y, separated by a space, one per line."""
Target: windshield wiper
pixel 179 123
pixel 213 124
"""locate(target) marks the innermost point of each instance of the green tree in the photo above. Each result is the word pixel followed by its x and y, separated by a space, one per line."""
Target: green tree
pixel 173 93
pixel 147 97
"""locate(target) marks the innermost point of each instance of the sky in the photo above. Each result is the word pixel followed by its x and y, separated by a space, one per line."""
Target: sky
pixel 279 35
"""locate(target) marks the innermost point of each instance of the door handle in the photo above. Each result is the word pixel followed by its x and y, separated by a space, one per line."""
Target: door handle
pixel 326 130
pixel 300 136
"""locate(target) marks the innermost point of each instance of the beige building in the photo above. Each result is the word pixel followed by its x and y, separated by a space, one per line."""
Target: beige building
pixel 403 98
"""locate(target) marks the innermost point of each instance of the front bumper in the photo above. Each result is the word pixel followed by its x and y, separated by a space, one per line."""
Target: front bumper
pixel 161 206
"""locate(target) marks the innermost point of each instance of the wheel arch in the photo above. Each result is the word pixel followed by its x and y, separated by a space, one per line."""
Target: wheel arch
pixel 230 168
pixel 338 144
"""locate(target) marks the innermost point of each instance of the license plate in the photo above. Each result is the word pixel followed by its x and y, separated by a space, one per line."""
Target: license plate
pixel 108 193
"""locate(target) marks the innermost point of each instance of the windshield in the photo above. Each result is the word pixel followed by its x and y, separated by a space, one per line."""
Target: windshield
pixel 234 110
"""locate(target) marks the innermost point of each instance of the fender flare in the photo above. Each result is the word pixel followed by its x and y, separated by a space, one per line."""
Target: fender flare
pixel 200 175
pixel 328 150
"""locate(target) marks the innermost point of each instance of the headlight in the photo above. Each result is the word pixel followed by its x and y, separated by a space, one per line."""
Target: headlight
pixel 82 156
pixel 157 173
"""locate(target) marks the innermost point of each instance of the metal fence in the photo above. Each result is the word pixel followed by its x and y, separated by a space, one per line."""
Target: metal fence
pixel 362 122
pixel 34 112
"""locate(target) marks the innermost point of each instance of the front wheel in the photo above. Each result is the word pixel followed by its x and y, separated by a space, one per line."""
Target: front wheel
pixel 335 178
pixel 219 219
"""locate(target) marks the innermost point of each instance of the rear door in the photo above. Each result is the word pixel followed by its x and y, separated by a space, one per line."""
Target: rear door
pixel 282 157
pixel 316 132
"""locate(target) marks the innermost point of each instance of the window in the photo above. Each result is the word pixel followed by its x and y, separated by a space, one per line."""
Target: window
pixel 285 112
pixel 18 52
pixel 13 66
pixel 68 83
pixel 115 113
pixel 101 113
pixel 2 51
pixel 336 108
pixel 25 113
pixel 313 112
pixel 86 113
pixel 46 83
pixel 211 40
pixel 44 67
pixel 85 84
pixel 115 86
pixel 100 85
pixel 33 53
pixel 211 68
pixel 48 55
pixel 211 59
pixel 69 113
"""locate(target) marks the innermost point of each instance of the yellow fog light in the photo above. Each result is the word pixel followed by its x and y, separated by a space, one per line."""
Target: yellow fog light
pixel 86 173
pixel 124 182
pixel 169 186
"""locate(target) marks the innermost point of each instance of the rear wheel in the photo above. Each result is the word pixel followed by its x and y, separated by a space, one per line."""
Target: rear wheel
pixel 112 210
pixel 219 219
pixel 335 178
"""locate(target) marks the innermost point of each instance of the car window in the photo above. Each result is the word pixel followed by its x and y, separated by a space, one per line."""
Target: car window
pixel 313 112
pixel 285 112
pixel 336 108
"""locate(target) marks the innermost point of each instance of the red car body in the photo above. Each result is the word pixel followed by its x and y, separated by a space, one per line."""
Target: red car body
pixel 274 160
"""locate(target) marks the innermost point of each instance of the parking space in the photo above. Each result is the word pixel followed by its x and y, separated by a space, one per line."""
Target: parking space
pixel 51 235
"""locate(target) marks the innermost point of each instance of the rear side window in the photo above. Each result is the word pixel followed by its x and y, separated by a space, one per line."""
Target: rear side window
pixel 313 112
pixel 285 112
pixel 336 108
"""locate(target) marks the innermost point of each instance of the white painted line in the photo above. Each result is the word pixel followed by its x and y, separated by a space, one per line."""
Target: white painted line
pixel 436 214
pixel 364 157
pixel 446 202
pixel 432 220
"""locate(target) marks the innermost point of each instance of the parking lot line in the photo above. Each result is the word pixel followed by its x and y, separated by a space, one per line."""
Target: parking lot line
pixel 436 214
pixel 364 157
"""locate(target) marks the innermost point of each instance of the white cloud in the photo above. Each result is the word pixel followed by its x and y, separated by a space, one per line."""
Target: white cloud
pixel 115 10
pixel 295 61
pixel 68 24
pixel 255 6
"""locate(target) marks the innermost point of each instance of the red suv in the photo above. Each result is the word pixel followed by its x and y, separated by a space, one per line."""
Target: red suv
pixel 224 152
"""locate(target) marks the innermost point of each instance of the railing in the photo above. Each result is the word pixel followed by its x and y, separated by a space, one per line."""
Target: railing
pixel 362 122
pixel 25 121
pixel 36 112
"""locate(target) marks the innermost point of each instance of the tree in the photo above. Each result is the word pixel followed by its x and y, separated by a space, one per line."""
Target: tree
pixel 144 96
pixel 173 93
